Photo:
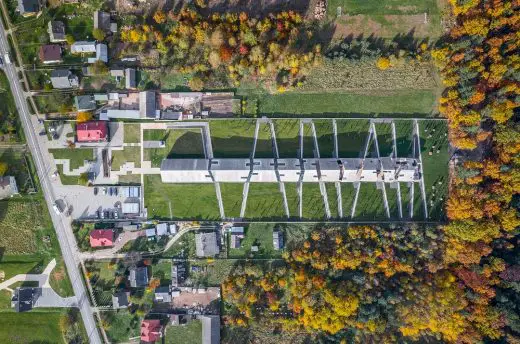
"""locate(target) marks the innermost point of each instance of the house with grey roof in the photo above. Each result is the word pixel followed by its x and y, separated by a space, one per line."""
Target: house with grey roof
pixel 102 20
pixel 85 103
pixel 56 30
pixel 130 81
pixel 147 104
pixel 101 54
pixel 63 78
pixel 210 329
pixel 24 298
pixel 206 244
pixel 138 277
pixel 28 8
pixel 8 187
pixel 120 300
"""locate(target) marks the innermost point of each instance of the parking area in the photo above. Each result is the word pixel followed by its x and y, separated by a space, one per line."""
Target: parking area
pixel 101 201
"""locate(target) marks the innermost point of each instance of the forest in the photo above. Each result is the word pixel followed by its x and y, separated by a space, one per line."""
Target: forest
pixel 455 283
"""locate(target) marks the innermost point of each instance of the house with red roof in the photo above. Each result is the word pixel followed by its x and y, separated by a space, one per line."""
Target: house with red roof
pixel 151 330
pixel 92 131
pixel 101 238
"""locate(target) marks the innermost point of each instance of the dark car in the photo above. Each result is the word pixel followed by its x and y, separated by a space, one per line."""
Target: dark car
pixel 106 214
pixel 110 191
pixel 42 133
pixel 115 191
pixel 96 191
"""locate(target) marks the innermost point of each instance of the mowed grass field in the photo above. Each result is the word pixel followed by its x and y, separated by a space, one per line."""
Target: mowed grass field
pixel 179 143
pixel 232 139
pixel 31 327
pixel 186 201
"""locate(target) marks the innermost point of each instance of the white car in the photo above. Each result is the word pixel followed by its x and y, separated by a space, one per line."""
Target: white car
pixel 56 209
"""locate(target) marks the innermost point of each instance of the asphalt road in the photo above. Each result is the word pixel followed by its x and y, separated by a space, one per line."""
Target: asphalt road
pixel 63 228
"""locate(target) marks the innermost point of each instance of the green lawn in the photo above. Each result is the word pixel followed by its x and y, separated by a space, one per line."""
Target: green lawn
pixel 256 234
pixel 435 166
pixel 179 144
pixel 352 135
pixel 17 167
pixel 122 325
pixel 163 271
pixel 265 201
pixel 76 156
pixel 65 179
pixel 132 132
pixel 288 138
pixel 183 248
pixel 313 205
pixel 388 7
pixel 405 103
pixel 293 200
pixel 347 198
pixel 187 201
pixel 128 154
pixel 232 195
pixel 332 197
pixel 31 327
pixel 214 272
pixel 187 334
pixel 59 280
pixel 370 204
pixel 264 143
pixel 232 138
pixel 325 135
pixel 55 102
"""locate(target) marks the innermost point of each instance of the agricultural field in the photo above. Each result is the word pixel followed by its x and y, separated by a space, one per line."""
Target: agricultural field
pixel 179 143
pixel 388 19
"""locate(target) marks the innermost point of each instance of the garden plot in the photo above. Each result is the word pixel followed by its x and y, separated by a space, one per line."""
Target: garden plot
pixel 232 138
pixel 232 196
pixel 256 234
pixel 178 144
pixel 186 201
pixel 265 201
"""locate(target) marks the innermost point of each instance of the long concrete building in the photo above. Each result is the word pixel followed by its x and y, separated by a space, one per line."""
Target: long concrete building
pixel 348 170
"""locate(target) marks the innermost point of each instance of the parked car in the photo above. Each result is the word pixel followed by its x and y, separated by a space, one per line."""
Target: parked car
pixel 96 191
pixel 98 215
pixel 104 190
pixel 116 216
pixel 107 214
pixel 42 133
pixel 101 214
pixel 115 191
pixel 57 210
pixel 110 191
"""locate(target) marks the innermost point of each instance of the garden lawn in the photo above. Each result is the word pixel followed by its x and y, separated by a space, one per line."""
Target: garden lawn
pixel 256 234
pixel 404 134
pixel 265 201
pixel 17 167
pixel 405 103
pixel 183 248
pixel 163 271
pixel 65 179
pixel 128 154
pixel 232 138
pixel 31 327
pixel 122 325
pixel 188 334
pixel 54 102
pixel 179 144
pixel 76 156
pixel 313 204
pixel 187 201
pixel 215 271
pixel 232 195
pixel 384 138
pixel 352 136
pixel 132 132
pixel 8 112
